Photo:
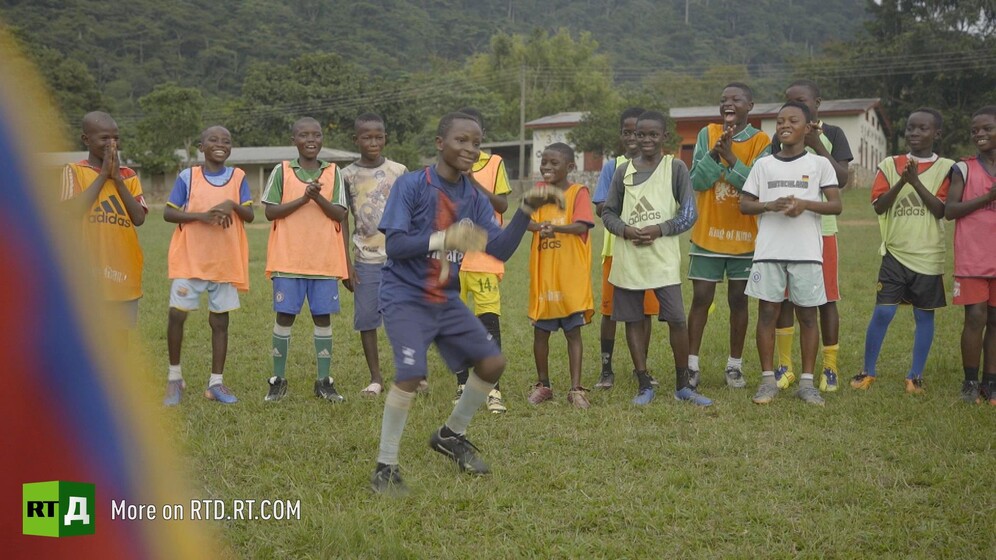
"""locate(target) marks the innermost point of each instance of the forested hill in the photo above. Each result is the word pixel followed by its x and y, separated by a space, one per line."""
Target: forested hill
pixel 129 47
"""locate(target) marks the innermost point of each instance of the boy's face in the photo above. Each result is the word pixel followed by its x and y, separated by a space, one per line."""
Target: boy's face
pixel 650 134
pixel 734 105
pixel 791 126
pixel 370 138
pixel 554 167
pixel 97 136
pixel 307 137
pixel 628 135
pixel 804 95
pixel 921 132
pixel 461 147
pixel 984 132
pixel 216 145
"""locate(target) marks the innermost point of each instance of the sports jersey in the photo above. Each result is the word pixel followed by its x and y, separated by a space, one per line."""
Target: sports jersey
pixel 115 255
pixel 975 232
pixel 489 172
pixel 421 202
pixel 835 142
pixel 721 227
pixel 779 237
pixel 602 192
pixel 367 189
pixel 208 251
pixel 556 263
pixel 306 243
pixel 910 233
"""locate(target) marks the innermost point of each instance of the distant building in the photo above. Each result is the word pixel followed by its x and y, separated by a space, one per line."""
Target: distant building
pixel 554 128
pixel 257 162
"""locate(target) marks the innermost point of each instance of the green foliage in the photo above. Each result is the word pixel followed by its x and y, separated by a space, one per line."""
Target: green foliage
pixel 599 129
pixel 73 87
pixel 172 120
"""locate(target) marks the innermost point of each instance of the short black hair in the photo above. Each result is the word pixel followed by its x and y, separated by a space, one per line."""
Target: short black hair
pixel 564 149
pixel 446 123
pixel 653 116
pixel 303 120
pixel 475 114
pixel 368 117
pixel 742 87
pixel 987 110
pixel 938 118
pixel 808 84
pixel 95 118
pixel 631 113
pixel 801 106
pixel 205 131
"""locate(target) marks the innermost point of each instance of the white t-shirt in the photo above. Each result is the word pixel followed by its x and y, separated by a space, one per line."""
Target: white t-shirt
pixel 780 238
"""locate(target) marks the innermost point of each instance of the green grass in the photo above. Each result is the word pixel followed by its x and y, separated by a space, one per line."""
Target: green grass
pixel 873 474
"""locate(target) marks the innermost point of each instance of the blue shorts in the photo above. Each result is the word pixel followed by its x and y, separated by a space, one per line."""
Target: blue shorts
pixel 289 295
pixel 571 322
pixel 366 286
pixel 459 336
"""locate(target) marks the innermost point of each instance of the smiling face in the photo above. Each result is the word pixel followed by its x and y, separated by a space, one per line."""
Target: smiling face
pixel 791 126
pixel 984 133
pixel 628 136
pixel 921 133
pixel 460 148
pixel 97 135
pixel 307 137
pixel 734 105
pixel 650 134
pixel 216 145
pixel 370 138
pixel 554 167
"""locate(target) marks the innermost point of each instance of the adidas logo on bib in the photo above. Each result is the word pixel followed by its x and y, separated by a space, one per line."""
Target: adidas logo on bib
pixel 910 205
pixel 643 212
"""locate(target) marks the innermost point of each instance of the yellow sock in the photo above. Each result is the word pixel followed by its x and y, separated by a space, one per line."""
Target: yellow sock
pixel 783 343
pixel 830 357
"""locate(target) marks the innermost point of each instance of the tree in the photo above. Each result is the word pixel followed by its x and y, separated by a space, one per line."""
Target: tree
pixel 171 121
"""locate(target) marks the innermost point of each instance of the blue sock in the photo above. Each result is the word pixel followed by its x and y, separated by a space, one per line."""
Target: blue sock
pixel 922 339
pixel 877 328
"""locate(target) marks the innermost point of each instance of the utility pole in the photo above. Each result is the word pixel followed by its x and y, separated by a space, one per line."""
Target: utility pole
pixel 522 122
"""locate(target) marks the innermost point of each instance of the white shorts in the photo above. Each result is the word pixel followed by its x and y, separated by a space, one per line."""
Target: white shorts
pixel 804 281
pixel 185 295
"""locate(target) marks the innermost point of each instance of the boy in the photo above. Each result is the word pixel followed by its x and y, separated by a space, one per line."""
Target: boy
pixel 368 182
pixel 559 256
pixel 433 214
pixel 306 252
pixel 908 196
pixel 829 142
pixel 972 203
pixel 787 189
pixel 107 198
pixel 654 194
pixel 607 332
pixel 209 253
pixel 480 274
pixel 723 237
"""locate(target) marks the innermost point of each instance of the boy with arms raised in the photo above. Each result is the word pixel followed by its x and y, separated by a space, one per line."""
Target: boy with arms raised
pixel 607 332
pixel 723 237
pixel 480 273
pixel 306 253
pixel 830 143
pixel 432 218
pixel 650 203
pixel 908 195
pixel 368 182
pixel 107 198
pixel 560 255
pixel 972 204
pixel 209 253
pixel 787 190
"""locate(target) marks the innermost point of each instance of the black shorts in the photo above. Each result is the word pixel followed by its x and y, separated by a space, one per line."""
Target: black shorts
pixel 898 284
pixel 627 306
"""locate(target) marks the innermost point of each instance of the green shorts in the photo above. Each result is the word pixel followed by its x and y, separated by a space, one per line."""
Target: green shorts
pixel 715 268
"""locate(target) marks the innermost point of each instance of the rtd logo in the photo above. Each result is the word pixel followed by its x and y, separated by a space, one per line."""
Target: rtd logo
pixel 58 509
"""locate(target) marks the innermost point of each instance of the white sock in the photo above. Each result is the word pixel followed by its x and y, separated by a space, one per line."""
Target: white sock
pixel 767 378
pixel 396 407
pixel 475 392
pixel 214 380
pixel 734 362
pixel 806 380
pixel 174 373
pixel 693 362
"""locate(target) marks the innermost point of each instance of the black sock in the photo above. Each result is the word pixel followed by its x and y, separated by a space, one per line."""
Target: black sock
pixel 462 376
pixel 545 382
pixel 608 346
pixel 989 378
pixel 681 377
pixel 971 374
pixel 492 323
pixel 643 378
pixel 446 432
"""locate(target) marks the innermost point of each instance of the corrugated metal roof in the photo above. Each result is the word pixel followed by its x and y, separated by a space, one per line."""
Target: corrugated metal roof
pixel 240 156
pixel 566 119
pixel 765 110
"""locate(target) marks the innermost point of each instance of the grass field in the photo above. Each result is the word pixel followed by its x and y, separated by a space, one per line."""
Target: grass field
pixel 872 474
